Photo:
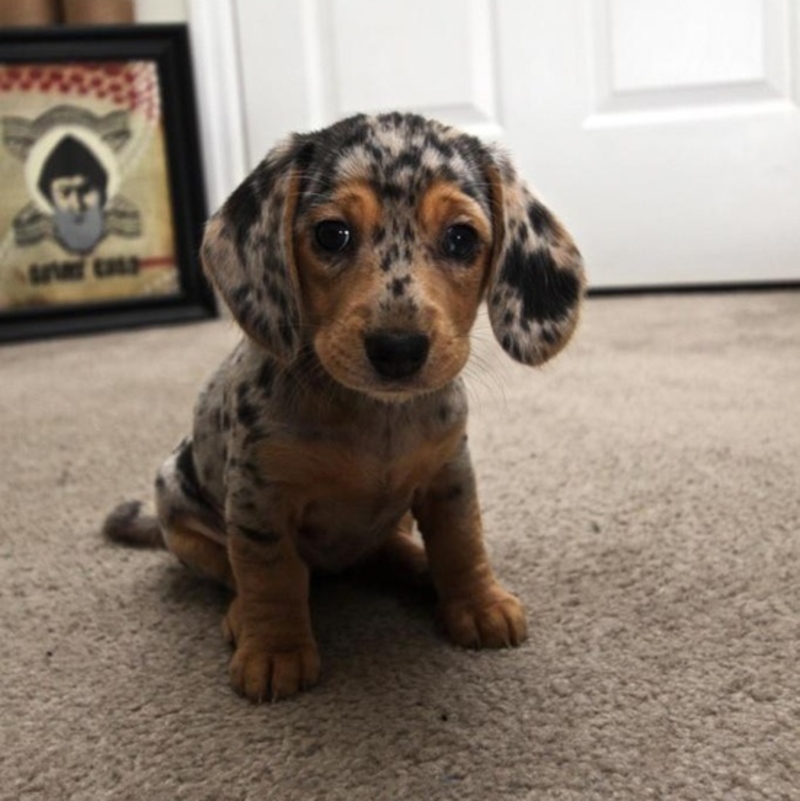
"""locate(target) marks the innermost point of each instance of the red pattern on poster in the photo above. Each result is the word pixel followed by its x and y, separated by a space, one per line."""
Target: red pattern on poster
pixel 131 85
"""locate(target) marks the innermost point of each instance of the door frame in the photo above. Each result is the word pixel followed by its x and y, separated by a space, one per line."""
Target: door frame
pixel 212 28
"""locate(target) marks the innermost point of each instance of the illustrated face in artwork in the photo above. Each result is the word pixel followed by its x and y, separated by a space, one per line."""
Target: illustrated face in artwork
pixel 75 194
pixel 75 183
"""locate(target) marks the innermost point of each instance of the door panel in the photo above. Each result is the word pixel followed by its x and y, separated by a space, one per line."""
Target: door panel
pixel 382 61
pixel 326 59
pixel 683 42
pixel 693 59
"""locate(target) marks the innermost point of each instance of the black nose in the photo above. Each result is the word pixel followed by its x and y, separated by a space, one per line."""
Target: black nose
pixel 396 354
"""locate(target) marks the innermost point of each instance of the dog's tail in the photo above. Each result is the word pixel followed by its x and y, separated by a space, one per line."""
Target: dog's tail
pixel 129 526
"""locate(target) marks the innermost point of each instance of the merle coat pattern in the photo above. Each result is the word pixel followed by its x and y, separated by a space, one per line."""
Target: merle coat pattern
pixel 354 259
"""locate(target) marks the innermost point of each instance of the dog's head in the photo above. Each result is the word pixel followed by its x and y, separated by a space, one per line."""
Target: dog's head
pixel 375 240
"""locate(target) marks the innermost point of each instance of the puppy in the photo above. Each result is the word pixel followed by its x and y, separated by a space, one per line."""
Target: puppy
pixel 354 259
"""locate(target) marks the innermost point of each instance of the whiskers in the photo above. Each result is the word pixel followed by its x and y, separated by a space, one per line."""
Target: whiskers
pixel 484 373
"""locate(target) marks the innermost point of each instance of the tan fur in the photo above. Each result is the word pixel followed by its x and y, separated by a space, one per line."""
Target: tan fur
pixel 200 552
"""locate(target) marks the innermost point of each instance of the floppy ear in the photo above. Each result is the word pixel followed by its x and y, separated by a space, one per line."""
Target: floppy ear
pixel 247 250
pixel 536 283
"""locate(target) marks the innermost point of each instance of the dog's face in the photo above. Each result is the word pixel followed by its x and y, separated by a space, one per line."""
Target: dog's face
pixel 392 258
pixel 374 242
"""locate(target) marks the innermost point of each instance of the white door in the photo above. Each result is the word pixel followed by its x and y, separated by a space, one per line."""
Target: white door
pixel 666 133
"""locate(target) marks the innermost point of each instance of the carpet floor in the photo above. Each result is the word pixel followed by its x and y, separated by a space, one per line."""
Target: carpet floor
pixel 641 494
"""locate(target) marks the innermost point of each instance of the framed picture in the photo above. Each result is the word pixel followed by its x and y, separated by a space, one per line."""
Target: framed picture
pixel 102 202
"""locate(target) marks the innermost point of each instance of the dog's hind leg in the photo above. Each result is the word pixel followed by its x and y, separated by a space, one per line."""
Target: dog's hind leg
pixel 192 527
pixel 199 552
pixel 187 524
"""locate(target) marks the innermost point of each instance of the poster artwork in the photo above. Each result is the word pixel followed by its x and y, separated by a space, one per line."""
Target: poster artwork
pixel 85 214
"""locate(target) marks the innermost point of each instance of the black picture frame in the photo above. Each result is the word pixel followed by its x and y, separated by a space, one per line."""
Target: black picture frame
pixel 190 297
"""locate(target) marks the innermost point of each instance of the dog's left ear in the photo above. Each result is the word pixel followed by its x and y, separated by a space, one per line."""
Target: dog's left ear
pixel 537 282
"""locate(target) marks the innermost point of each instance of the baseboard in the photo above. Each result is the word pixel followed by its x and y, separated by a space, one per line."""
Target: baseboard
pixel 682 289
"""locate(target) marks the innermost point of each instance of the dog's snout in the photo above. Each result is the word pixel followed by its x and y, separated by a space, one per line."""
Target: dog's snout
pixel 397 354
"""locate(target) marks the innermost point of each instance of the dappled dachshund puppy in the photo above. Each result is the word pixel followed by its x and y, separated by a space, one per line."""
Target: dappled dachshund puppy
pixel 355 259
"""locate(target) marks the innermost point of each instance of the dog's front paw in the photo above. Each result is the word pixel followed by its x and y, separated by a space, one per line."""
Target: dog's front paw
pixel 263 669
pixel 263 675
pixel 494 618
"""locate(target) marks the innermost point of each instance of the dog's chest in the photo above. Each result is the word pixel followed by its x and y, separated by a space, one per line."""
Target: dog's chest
pixel 349 492
pixel 334 534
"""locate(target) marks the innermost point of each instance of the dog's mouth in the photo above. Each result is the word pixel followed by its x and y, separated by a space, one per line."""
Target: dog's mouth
pixel 389 365
pixel 364 379
pixel 397 392
pixel 390 390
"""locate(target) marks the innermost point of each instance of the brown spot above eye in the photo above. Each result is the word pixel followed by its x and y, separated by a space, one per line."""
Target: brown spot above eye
pixel 444 204
pixel 356 202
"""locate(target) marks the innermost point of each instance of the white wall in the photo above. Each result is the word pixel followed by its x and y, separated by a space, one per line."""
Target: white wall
pixel 162 10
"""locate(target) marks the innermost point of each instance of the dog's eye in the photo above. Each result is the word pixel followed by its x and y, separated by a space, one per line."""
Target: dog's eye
pixel 460 242
pixel 332 235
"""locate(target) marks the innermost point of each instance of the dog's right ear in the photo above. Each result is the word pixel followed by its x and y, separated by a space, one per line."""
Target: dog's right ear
pixel 247 250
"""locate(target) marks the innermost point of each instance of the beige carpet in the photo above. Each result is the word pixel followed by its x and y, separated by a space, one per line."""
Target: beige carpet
pixel 642 495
